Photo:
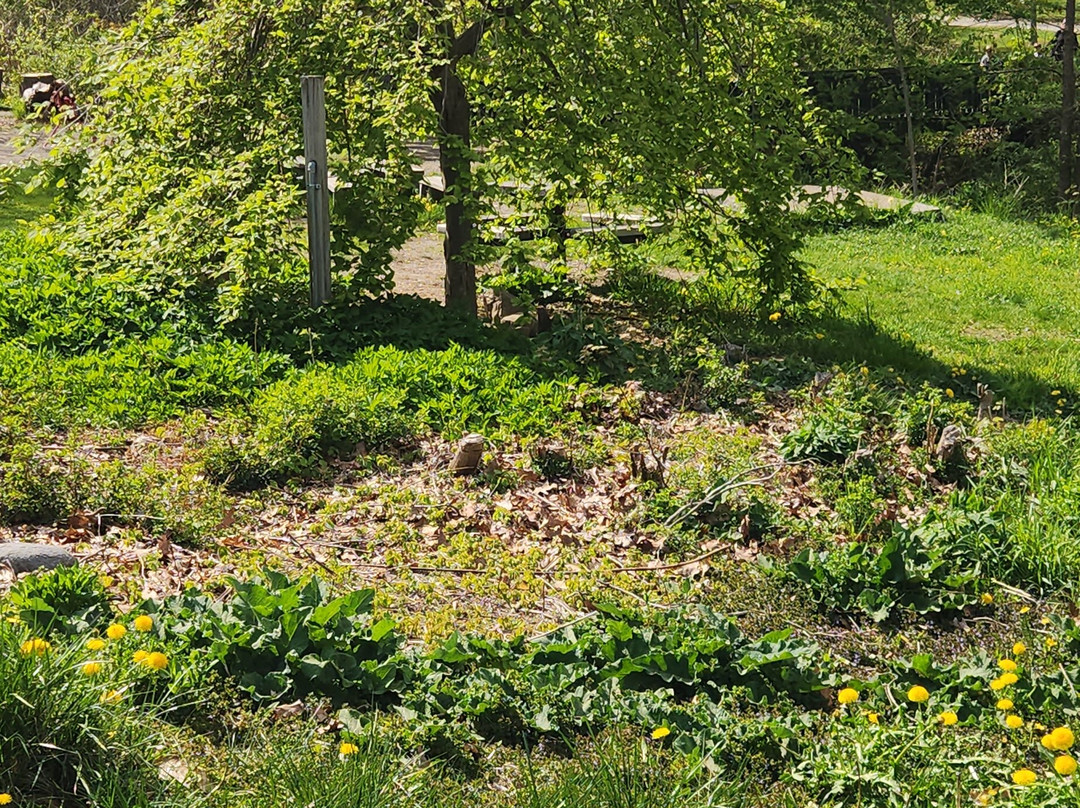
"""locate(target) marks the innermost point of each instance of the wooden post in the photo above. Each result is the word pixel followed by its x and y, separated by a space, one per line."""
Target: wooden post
pixel 312 95
pixel 1066 180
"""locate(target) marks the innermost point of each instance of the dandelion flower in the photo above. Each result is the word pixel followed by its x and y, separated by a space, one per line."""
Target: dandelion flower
pixel 1009 678
pixel 140 656
pixel 1024 777
pixel 948 718
pixel 774 316
pixel 347 749
pixel 1065 765
pixel 949 392
pixel 986 598
pixel 144 622
pixel 115 631
pixel 1007 664
pixel 1055 392
pixel 1004 704
pixel 156 661
pixel 34 647
pixel 1014 721
pixel 91 669
pixel 111 697
pixel 5 799
pixel 1050 642
pixel 1023 610
pixel 997 684
pixel 1019 648
pixel 918 694
pixel 95 644
pixel 1063 738
pixel 848 695
pixel 660 732
pixel 873 718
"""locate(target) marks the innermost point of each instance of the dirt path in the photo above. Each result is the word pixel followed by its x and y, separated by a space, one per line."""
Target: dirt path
pixel 972 22
pixel 9 133
pixel 419 268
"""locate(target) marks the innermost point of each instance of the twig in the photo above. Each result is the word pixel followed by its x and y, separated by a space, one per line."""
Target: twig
pixel 717 490
pixel 558 628
pixel 679 565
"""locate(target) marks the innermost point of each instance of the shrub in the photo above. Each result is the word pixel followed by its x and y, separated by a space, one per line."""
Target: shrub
pixel 67 600
pixel 382 396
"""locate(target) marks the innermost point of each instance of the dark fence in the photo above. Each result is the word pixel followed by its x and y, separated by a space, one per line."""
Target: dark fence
pixel 940 94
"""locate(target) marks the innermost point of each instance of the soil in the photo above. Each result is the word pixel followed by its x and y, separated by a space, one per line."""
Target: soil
pixel 9 133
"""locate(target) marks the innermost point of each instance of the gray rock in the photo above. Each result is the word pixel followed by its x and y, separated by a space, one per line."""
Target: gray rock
pixel 22 556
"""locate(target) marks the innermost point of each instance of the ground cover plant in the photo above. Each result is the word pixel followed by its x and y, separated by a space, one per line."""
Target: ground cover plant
pixel 770 509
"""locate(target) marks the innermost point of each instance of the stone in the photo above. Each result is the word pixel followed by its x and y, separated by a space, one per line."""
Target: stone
pixel 23 556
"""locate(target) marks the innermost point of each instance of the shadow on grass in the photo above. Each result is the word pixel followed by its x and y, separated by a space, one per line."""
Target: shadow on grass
pixel 842 336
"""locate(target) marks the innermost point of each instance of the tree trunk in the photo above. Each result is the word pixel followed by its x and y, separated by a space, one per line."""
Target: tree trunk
pixel 455 159
pixel 1068 103
pixel 905 92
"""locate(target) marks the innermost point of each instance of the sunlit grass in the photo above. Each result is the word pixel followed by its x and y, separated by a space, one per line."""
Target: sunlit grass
pixel 991 300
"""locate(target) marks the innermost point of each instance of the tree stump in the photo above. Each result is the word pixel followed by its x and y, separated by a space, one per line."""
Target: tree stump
pixel 469 453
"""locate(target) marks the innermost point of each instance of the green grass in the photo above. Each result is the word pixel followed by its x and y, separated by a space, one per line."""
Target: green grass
pixel 983 298
pixel 17 206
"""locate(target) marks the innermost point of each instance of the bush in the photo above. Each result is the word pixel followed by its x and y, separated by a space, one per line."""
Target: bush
pixel 67 599
pixel 382 396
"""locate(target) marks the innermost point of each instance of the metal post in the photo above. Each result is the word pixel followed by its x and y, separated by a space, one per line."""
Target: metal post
pixel 313 98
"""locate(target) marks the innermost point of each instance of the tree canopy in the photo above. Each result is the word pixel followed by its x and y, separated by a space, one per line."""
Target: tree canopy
pixel 184 182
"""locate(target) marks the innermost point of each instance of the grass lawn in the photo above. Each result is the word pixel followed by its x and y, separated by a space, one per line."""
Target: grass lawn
pixel 990 300
pixel 16 206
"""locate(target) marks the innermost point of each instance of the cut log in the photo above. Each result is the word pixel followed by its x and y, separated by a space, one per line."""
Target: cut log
pixel 469 453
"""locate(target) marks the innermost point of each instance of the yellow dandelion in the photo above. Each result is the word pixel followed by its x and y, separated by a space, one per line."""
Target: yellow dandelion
pixel 948 718
pixel 848 695
pixel 111 697
pixel 1004 704
pixel 6 799
pixel 34 647
pixel 1065 765
pixel 949 392
pixel 1014 721
pixel 347 749
pixel 91 669
pixel 918 694
pixel 144 622
pixel 1024 777
pixel 115 631
pixel 986 598
pixel 95 644
pixel 1024 610
pixel 1019 648
pixel 1048 742
pixel 1009 678
pixel 997 684
pixel 139 656
pixel 873 718
pixel 774 316
pixel 1050 642
pixel 1063 738
pixel 1007 664
pixel 1055 392
pixel 660 732
pixel 156 660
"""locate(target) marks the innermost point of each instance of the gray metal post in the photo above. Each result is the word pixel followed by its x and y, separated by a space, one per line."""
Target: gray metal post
pixel 313 97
